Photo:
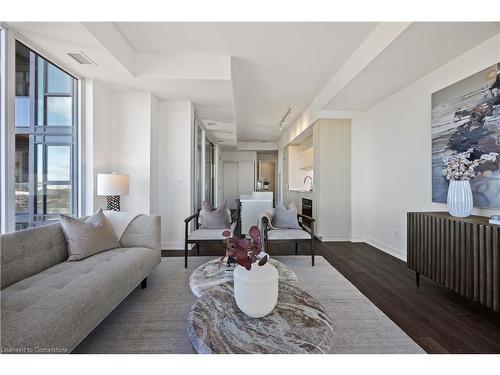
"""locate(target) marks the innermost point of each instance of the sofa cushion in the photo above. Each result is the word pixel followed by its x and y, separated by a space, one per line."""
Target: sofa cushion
pixel 58 307
pixel 28 252
pixel 288 234
pixel 88 237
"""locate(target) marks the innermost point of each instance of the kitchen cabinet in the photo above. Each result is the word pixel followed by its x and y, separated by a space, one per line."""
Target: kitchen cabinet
pixel 300 165
pixel 238 178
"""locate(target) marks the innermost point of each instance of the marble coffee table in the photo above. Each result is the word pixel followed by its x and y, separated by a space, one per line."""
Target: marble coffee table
pixel 298 324
pixel 210 274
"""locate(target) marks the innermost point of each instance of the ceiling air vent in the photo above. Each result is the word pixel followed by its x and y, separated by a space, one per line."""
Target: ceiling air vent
pixel 81 58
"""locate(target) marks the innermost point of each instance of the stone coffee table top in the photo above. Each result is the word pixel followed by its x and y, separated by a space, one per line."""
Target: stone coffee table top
pixel 210 274
pixel 298 324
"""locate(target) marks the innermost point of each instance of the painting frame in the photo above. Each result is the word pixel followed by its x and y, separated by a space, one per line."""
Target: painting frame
pixel 464 115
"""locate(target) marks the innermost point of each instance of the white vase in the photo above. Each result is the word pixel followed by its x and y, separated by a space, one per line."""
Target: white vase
pixel 256 291
pixel 460 198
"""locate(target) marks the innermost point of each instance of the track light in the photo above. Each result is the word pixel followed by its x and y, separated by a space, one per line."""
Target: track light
pixel 283 121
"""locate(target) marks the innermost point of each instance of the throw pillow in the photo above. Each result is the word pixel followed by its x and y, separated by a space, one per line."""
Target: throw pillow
pixel 214 219
pixel 88 237
pixel 206 207
pixel 285 218
pixel 293 206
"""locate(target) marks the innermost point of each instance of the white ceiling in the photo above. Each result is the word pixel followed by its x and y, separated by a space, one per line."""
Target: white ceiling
pixel 244 76
pixel 422 48
pixel 274 65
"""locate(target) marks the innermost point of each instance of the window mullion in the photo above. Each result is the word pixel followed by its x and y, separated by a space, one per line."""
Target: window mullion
pixel 44 179
pixel 74 149
pixel 31 149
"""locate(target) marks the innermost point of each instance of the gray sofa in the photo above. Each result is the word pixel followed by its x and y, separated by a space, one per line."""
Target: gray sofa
pixel 49 305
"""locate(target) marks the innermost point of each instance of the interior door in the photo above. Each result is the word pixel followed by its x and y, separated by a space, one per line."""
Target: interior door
pixel 230 183
pixel 246 177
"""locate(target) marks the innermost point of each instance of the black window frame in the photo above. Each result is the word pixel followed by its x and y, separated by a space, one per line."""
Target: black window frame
pixel 38 133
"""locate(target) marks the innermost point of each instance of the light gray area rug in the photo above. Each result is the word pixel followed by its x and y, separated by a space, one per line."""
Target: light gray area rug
pixel 153 320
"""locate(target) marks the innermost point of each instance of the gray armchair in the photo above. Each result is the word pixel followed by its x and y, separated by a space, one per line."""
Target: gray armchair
pixel 198 236
pixel 304 234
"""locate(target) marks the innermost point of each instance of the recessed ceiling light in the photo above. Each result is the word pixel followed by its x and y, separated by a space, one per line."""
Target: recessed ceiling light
pixel 211 123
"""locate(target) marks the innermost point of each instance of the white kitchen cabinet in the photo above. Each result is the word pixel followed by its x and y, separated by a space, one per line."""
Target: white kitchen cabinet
pixel 238 178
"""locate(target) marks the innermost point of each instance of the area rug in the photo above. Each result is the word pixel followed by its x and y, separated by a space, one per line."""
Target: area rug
pixel 153 320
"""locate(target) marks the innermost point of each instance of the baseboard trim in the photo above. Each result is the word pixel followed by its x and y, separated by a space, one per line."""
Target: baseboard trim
pixel 336 239
pixel 386 248
pixel 174 245
pixel 356 239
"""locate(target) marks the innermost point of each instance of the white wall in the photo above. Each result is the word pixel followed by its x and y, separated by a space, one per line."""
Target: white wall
pixel 130 146
pixel 398 151
pixel 118 136
pixel 239 155
pixel 257 146
pixel 175 139
pixel 96 133
pixel 154 188
pixel 358 170
pixel 134 133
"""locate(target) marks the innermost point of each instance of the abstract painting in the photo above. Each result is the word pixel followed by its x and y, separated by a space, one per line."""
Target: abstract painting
pixel 467 115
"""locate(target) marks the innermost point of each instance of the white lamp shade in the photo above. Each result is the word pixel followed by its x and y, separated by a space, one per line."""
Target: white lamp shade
pixel 112 184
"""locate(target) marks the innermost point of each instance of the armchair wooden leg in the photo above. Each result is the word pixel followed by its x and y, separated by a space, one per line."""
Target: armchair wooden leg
pixel 186 236
pixel 312 251
pixel 296 248
pixel 198 248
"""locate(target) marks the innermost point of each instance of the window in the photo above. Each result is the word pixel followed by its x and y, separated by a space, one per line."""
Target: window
pixel 46 121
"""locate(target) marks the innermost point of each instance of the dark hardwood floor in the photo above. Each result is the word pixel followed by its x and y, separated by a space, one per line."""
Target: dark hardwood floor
pixel 436 318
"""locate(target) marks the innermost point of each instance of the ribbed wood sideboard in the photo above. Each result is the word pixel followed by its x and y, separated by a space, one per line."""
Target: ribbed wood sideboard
pixel 462 254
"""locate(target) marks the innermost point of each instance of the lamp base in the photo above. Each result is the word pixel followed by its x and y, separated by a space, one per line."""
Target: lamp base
pixel 113 203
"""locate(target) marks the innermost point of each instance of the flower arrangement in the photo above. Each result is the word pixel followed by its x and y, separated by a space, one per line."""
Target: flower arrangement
pixel 460 167
pixel 244 250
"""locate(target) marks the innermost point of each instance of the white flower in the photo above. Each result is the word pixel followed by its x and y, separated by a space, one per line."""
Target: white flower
pixel 458 166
